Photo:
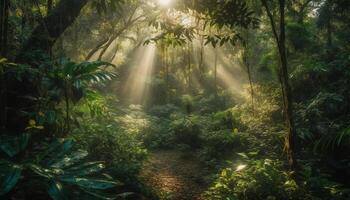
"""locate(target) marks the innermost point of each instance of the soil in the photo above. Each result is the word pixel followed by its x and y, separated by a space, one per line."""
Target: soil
pixel 175 175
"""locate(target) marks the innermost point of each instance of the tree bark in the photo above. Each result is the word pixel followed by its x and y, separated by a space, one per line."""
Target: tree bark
pixel 189 67
pixel 287 93
pixel 216 73
pixel 66 98
pixel 4 13
pixel 247 64
pixel 98 47
pixel 45 35
pixel 49 7
pixel 41 40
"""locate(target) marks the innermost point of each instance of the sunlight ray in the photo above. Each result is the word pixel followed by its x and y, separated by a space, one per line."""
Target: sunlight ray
pixel 229 73
pixel 136 85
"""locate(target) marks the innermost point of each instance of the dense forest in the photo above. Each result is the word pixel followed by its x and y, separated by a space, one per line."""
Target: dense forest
pixel 175 99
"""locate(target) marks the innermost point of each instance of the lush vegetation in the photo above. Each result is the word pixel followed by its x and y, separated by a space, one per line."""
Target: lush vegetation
pixel 255 92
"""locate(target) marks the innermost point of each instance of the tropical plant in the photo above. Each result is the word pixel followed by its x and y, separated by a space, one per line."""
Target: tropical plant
pixel 70 80
pixel 186 131
pixel 332 141
pixel 249 181
pixel 54 167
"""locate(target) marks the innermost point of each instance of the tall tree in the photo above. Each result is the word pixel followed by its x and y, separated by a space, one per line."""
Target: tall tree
pixel 246 62
pixel 46 33
pixel 280 38
pixel 4 14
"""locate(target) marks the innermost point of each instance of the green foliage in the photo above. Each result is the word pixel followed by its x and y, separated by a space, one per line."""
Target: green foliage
pixel 62 171
pixel 258 179
pixel 115 139
pixel 70 78
pixel 122 152
pixel 218 144
pixel 320 184
pixel 298 35
pixel 157 134
pixel 164 111
pixel 104 6
pixel 333 141
pixel 186 131
pixel 229 119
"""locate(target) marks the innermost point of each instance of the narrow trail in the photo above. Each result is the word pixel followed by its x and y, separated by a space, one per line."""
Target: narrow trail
pixel 174 176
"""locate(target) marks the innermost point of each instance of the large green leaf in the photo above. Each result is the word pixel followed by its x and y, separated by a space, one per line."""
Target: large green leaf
pixel 85 169
pixel 57 150
pixel 101 195
pixel 46 173
pixel 71 159
pixel 56 191
pixel 91 183
pixel 15 144
pixel 11 177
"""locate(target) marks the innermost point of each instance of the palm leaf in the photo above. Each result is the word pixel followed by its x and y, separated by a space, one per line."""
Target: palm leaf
pixel 56 191
pixel 91 183
pixel 12 175
pixel 85 169
pixel 13 145
pixel 70 159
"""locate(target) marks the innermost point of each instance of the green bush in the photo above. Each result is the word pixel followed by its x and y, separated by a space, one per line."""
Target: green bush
pixel 157 134
pixel 260 179
pixel 217 144
pixel 163 110
pixel 228 119
pixel 186 131
pixel 122 152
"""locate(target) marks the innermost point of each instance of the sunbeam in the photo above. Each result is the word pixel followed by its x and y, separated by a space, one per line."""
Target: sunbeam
pixel 229 73
pixel 136 85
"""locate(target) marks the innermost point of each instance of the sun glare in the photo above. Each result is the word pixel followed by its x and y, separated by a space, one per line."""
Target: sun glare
pixel 164 2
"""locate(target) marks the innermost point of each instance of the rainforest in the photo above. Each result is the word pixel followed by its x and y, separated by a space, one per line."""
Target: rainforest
pixel 175 99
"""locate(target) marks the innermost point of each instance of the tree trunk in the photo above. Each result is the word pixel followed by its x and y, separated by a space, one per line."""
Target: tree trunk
pixel 66 98
pixel 329 34
pixel 167 73
pixel 49 7
pixel 287 93
pixel 200 64
pixel 216 73
pixel 247 64
pixel 189 73
pixel 98 47
pixel 4 12
pixel 45 35
pixel 41 40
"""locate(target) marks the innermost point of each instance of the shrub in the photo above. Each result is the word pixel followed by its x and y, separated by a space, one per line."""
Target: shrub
pixel 163 110
pixel 228 119
pixel 217 144
pixel 157 134
pixel 260 179
pixel 186 131
pixel 122 152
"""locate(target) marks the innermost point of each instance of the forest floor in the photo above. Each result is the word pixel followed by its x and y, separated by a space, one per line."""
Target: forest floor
pixel 175 175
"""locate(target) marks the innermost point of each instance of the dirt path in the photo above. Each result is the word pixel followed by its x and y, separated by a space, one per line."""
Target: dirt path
pixel 175 177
